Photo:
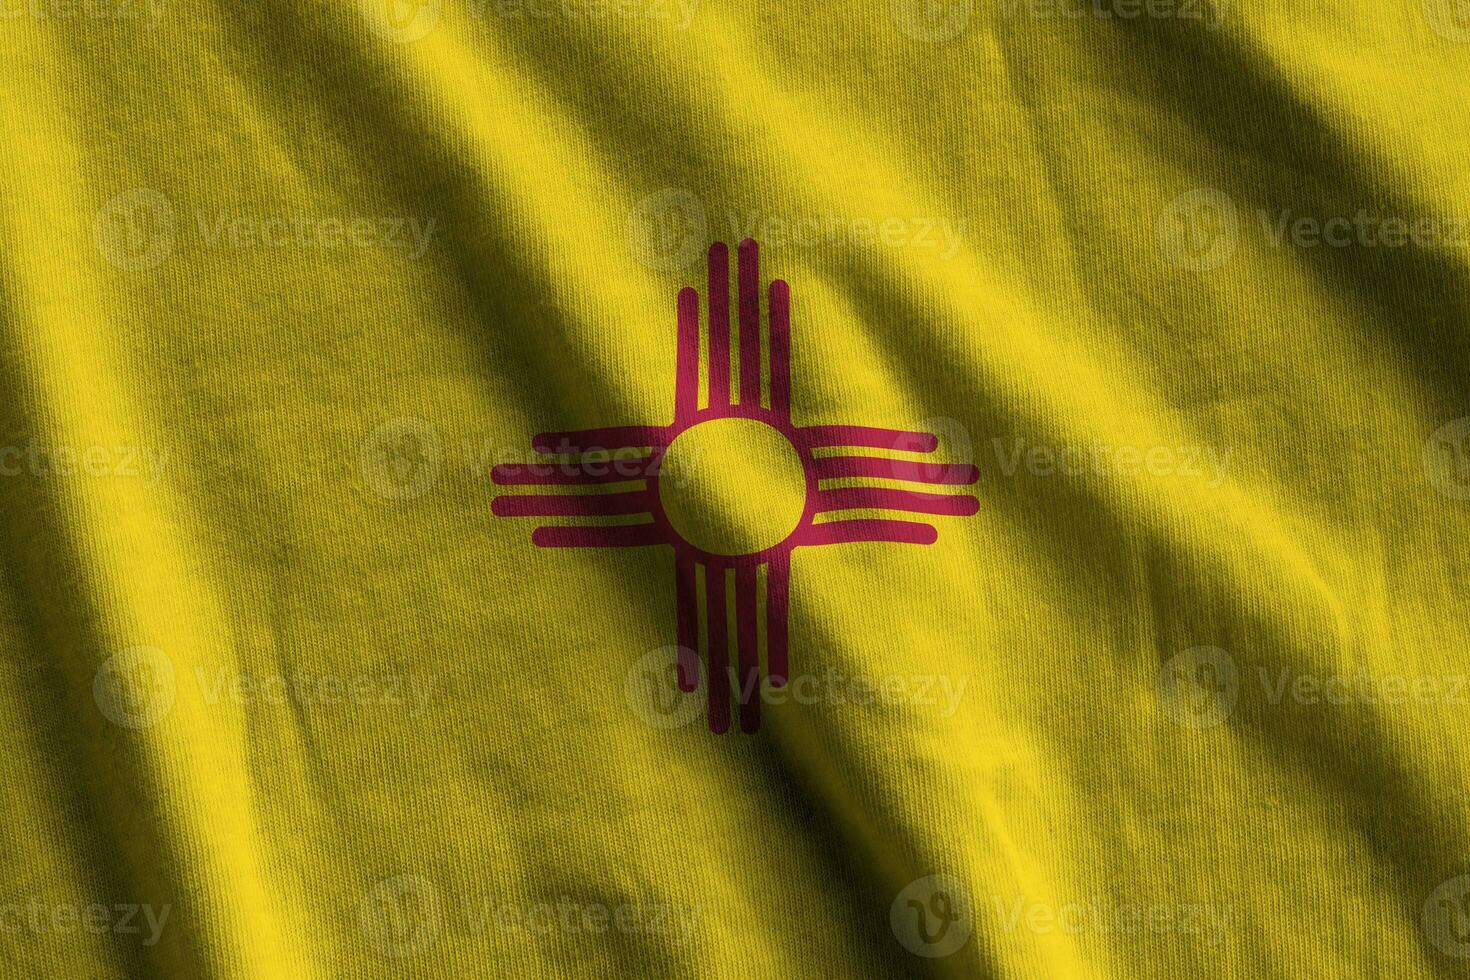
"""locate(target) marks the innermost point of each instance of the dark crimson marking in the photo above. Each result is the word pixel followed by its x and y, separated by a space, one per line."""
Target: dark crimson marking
pixel 840 467
pixel 750 323
pixel 719 325
pixel 780 302
pixel 748 649
pixel 627 536
pixel 687 558
pixel 687 615
pixel 719 640
pixel 566 505
pixel 880 498
pixel 847 532
pixel 827 436
pixel 778 579
pixel 686 368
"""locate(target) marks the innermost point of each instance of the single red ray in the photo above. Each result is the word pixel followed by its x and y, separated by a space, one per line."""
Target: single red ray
pixel 625 536
pixel 747 650
pixel 750 324
pixel 566 505
pixel 827 436
pixel 847 532
pixel 780 306
pixel 882 498
pixel 876 467
pixel 719 639
pixel 778 583
pixel 686 380
pixel 687 614
pixel 719 325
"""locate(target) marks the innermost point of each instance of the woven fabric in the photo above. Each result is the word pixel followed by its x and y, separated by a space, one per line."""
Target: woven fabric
pixel 582 488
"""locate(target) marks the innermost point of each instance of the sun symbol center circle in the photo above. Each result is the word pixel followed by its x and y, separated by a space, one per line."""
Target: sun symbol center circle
pixel 733 486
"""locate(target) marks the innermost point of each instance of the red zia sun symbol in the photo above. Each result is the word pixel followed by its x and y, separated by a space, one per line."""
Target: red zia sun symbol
pixel 749 529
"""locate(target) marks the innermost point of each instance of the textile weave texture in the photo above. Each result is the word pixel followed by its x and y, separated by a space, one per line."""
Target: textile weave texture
pixel 1134 645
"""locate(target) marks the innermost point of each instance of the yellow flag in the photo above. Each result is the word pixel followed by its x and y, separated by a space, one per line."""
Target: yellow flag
pixel 584 488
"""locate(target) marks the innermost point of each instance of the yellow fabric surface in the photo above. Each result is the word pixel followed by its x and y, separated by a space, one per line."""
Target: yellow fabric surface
pixel 282 283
